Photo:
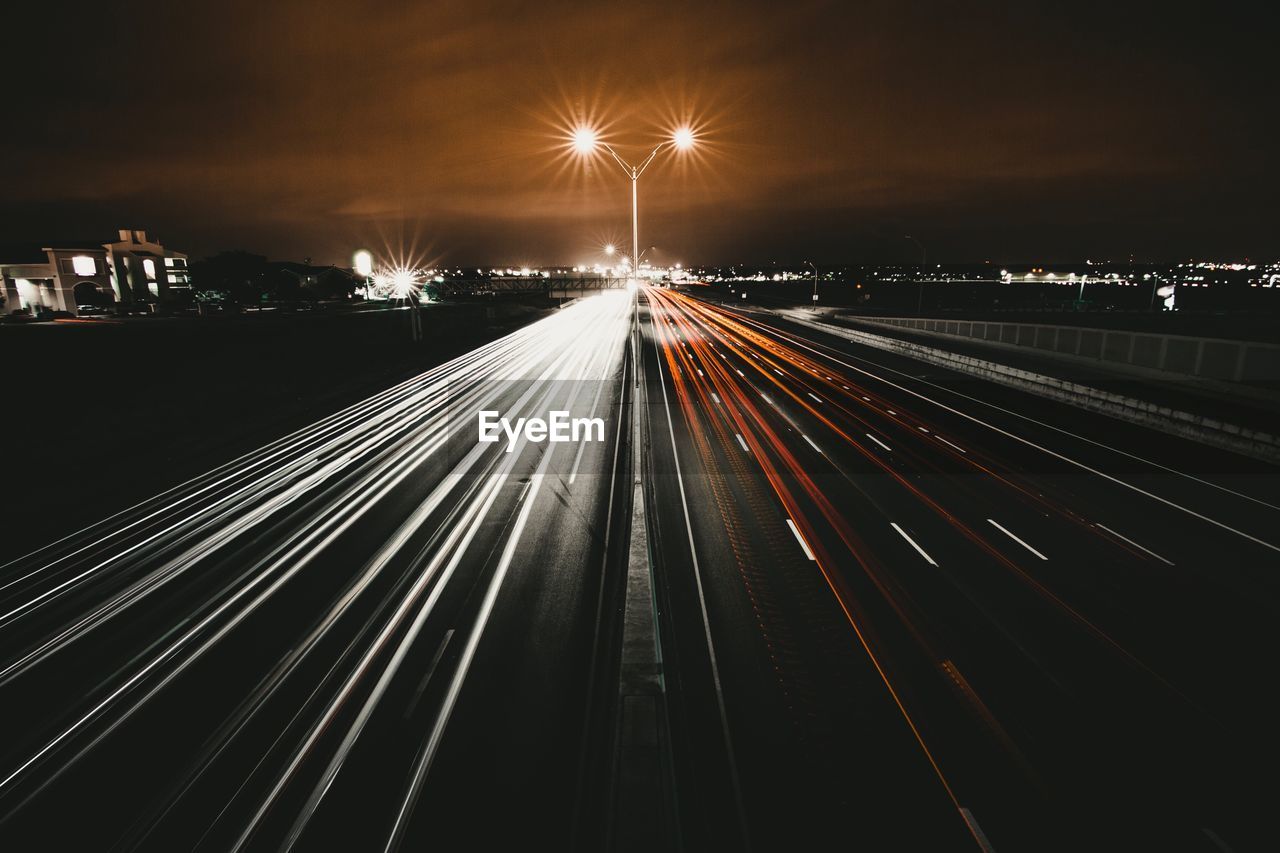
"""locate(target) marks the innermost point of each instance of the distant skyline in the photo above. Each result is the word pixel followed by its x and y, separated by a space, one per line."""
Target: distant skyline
pixel 1014 132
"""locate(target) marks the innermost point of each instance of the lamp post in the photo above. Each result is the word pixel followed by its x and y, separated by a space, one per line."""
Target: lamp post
pixel 924 261
pixel 815 284
pixel 586 141
pixel 362 262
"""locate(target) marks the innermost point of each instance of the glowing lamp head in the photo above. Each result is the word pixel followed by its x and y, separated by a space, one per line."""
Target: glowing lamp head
pixel 403 283
pixel 584 140
pixel 609 250
pixel 363 263
pixel 682 138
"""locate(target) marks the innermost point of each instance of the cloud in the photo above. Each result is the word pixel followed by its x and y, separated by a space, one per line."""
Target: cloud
pixel 310 121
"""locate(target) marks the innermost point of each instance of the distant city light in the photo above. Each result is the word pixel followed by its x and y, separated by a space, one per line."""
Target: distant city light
pixel 363 263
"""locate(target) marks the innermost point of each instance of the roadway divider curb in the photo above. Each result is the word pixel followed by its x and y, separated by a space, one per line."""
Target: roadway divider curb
pixel 1206 430
pixel 643 809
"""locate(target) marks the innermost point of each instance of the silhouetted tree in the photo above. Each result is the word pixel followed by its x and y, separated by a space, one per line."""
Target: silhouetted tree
pixel 238 276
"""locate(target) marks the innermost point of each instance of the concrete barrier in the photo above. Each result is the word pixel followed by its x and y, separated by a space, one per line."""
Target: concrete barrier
pixel 1204 358
pixel 1254 443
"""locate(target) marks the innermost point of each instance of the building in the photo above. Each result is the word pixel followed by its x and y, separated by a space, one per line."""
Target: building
pixel 76 277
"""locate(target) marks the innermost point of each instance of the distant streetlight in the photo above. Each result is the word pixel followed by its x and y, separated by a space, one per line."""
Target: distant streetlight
pixel 815 284
pixel 586 140
pixel 924 260
pixel 362 261
pixel 609 249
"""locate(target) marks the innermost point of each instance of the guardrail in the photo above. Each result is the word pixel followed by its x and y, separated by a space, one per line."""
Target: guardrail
pixel 1211 431
pixel 1205 358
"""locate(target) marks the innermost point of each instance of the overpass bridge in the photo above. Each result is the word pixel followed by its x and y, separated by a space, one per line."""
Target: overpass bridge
pixel 555 285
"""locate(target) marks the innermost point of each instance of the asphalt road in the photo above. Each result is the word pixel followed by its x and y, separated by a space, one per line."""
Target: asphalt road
pixel 946 614
pixel 896 609
pixel 372 632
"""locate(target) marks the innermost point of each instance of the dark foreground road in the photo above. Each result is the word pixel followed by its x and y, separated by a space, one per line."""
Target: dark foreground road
pixel 941 624
pixel 895 610
pixel 373 634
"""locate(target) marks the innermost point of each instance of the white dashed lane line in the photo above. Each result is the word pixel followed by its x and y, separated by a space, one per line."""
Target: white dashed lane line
pixel 1012 536
pixel 879 442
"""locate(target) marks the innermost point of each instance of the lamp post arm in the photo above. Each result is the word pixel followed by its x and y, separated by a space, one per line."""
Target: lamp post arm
pixel 626 167
pixel 654 153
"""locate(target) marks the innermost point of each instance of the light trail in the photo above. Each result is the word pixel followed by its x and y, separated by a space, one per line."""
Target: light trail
pixel 749 348
pixel 314 487
pixel 1134 544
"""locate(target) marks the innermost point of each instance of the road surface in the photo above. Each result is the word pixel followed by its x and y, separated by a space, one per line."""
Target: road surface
pixel 939 623
pixel 895 609
pixel 373 631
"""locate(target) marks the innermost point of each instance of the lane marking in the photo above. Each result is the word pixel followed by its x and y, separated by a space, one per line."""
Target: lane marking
pixel 714 397
pixel 803 544
pixel 740 373
pixel 892 412
pixel 811 444
pixel 912 543
pixel 1167 502
pixel 743 443
pixel 1216 839
pixel 956 446
pixel 1131 542
pixel 765 397
pixel 1006 532
pixel 879 442
pixel 702 604
pixel 978 835
pixel 815 396
pixel 426 679
pixel 923 430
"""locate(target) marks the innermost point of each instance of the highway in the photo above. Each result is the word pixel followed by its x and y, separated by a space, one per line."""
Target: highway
pixel 945 614
pixel 896 609
pixel 349 639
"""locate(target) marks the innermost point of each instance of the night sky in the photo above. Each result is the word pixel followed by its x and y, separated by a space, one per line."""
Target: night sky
pixel 1016 131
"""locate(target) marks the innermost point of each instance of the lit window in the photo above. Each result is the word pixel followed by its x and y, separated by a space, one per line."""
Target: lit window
pixel 84 265
pixel 168 262
pixel 149 267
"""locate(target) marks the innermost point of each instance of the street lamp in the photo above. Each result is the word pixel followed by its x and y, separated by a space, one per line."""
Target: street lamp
pixel 362 262
pixel 586 140
pixel 815 284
